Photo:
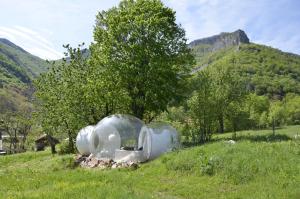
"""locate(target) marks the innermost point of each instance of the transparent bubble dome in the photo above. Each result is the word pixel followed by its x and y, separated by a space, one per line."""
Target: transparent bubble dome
pixel 115 132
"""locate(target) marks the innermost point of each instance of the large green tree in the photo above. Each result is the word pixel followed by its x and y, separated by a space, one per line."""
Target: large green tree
pixel 140 43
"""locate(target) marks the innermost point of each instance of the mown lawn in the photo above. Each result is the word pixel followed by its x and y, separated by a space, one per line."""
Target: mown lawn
pixel 257 166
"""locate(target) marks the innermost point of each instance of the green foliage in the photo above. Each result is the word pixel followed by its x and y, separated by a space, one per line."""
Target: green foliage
pixel 64 147
pixel 203 108
pixel 291 104
pixel 258 109
pixel 178 118
pixel 271 77
pixel 140 43
pixel 14 55
pixel 218 95
pixel 74 94
pixel 12 100
pixel 17 66
pixel 266 70
pixel 276 113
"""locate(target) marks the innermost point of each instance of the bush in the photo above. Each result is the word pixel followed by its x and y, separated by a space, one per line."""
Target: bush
pixel 64 148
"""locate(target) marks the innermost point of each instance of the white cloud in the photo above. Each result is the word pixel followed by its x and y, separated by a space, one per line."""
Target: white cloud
pixel 32 41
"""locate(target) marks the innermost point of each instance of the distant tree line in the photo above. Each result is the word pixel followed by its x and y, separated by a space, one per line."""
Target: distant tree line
pixel 221 102
pixel 16 126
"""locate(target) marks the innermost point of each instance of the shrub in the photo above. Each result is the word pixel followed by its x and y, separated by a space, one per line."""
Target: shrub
pixel 64 148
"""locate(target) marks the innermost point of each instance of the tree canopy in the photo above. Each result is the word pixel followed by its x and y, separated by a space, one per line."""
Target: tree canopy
pixel 140 43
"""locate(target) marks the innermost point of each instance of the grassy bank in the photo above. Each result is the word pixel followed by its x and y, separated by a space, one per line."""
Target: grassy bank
pixel 252 168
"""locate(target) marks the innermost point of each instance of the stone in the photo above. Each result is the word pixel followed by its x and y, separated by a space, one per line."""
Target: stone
pixel 230 142
pixel 93 163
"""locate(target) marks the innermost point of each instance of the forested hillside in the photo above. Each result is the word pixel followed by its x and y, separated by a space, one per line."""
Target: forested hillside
pixel 17 70
pixel 238 85
pixel 268 71
pixel 17 65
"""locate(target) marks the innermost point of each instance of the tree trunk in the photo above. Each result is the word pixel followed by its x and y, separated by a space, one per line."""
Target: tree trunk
pixel 10 145
pixel 234 126
pixel 71 144
pixel 138 111
pixel 273 126
pixel 221 123
pixel 52 144
pixel 137 104
pixel 23 142
pixel 15 141
pixel 53 151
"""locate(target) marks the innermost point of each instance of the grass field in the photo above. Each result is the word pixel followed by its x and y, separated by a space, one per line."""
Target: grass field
pixel 257 166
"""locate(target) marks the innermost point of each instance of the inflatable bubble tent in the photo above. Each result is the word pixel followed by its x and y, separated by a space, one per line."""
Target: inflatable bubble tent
pixel 126 138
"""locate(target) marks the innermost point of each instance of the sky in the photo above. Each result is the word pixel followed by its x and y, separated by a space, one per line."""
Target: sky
pixel 41 27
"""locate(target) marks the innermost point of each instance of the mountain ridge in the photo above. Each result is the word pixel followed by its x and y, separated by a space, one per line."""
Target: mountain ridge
pixel 267 70
pixel 222 40
pixel 11 44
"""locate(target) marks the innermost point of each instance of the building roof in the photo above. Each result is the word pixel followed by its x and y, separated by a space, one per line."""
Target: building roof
pixel 46 137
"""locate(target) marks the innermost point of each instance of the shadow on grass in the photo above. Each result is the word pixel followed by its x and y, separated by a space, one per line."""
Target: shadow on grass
pixel 252 138
pixel 191 144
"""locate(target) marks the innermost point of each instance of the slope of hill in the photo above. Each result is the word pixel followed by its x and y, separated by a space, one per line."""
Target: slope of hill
pixel 17 69
pixel 268 71
pixel 257 166
pixel 17 64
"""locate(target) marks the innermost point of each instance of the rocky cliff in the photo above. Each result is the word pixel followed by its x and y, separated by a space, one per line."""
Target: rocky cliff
pixel 221 41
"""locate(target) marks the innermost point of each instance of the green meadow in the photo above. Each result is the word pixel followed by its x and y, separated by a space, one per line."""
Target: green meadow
pixel 258 165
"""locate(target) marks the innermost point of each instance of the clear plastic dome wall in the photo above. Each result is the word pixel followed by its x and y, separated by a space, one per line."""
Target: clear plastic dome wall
pixel 83 140
pixel 157 138
pixel 114 132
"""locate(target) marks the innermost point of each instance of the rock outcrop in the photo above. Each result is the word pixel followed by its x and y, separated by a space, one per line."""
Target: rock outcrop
pixel 221 41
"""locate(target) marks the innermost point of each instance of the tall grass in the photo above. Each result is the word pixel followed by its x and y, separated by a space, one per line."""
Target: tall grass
pixel 247 169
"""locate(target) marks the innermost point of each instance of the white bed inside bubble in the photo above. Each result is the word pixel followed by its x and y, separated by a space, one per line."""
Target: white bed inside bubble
pixel 125 138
